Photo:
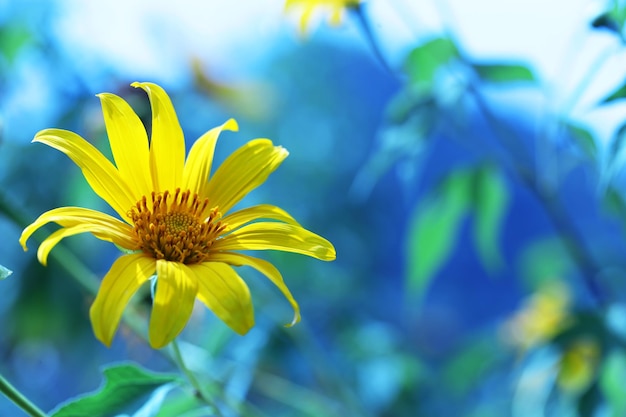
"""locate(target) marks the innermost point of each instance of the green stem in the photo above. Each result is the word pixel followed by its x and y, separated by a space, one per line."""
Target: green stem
pixel 369 36
pixel 513 144
pixel 178 357
pixel 19 399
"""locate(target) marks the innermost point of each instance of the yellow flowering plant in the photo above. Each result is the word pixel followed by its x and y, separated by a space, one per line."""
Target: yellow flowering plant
pixel 175 219
pixel 306 8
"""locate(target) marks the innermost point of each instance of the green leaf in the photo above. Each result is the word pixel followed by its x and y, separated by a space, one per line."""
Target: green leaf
pixel 12 39
pixel 618 94
pixel 434 229
pixel 124 384
pixel 468 367
pixel 423 62
pixel 503 73
pixel 544 260
pixel 491 199
pixel 583 138
pixel 615 205
pixel 612 377
pixel 4 272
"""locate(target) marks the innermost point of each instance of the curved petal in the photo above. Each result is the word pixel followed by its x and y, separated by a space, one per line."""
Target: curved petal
pixel 126 275
pixel 226 294
pixel 244 170
pixel 105 227
pixel 173 302
pixel 261 211
pixel 129 143
pixel 167 143
pixel 198 165
pixel 267 269
pixel 99 172
pixel 100 231
pixel 307 13
pixel 277 236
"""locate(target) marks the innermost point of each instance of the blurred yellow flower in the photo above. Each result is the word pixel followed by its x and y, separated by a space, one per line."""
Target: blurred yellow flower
pixel 543 315
pixel 174 219
pixel 307 7
pixel 578 365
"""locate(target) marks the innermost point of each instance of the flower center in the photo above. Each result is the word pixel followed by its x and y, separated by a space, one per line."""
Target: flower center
pixel 176 227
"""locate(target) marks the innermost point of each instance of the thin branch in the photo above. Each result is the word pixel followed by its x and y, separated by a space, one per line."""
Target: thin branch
pixel 200 392
pixel 19 399
pixel 513 145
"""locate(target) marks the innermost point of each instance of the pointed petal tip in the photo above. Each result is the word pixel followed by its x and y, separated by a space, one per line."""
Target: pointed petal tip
pixel 144 85
pixel 282 151
pixel 42 257
pixel 158 344
pixel 232 125
pixel 22 241
pixel 105 342
pixel 244 328
pixel 296 319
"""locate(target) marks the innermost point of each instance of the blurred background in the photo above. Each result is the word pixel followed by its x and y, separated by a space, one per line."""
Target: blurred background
pixel 465 159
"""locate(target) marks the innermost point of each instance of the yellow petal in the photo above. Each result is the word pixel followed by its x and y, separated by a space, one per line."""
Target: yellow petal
pixel 243 171
pixel 335 17
pixel 77 220
pixel 277 236
pixel 173 302
pixel 225 294
pixel 126 275
pixel 261 211
pixel 129 143
pixel 117 231
pixel 306 18
pixel 198 166
pixel 99 172
pixel 267 269
pixel 167 143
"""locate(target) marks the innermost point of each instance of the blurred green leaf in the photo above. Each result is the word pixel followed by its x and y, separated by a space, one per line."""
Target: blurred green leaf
pixel 434 229
pixel 612 19
pixel 491 199
pixel 470 364
pixel 423 62
pixel 13 38
pixel 4 272
pixel 503 73
pixel 180 403
pixel 590 402
pixel 123 385
pixel 612 377
pixel 584 139
pixel 615 205
pixel 543 260
pixel 618 94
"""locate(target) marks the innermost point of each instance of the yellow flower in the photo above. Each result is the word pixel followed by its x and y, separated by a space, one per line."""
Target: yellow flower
pixel 174 219
pixel 307 7
pixel 543 315
pixel 578 365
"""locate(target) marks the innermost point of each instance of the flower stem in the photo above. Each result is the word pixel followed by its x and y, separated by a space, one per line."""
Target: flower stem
pixel 178 357
pixel 369 36
pixel 19 399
